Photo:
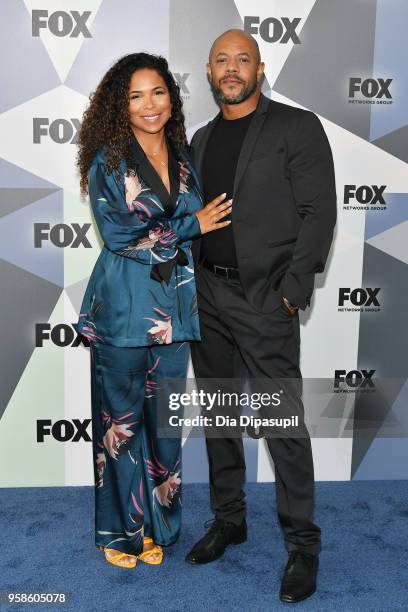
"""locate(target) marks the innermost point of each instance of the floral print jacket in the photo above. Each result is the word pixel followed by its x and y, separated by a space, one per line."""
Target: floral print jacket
pixel 126 303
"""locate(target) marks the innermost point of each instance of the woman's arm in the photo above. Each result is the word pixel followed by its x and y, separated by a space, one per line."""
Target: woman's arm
pixel 122 228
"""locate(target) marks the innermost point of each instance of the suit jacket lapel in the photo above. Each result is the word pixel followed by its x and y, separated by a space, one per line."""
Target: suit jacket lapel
pixel 202 146
pixel 247 146
pixel 153 180
pixel 174 178
pixel 250 139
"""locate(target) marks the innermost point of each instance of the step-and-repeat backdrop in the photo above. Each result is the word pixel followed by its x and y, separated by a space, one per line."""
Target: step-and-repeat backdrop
pixel 344 61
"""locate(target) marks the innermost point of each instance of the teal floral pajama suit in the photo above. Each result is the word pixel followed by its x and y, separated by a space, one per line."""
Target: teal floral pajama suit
pixel 139 312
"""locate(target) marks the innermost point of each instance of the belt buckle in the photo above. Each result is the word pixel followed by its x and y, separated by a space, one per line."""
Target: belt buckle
pixel 222 268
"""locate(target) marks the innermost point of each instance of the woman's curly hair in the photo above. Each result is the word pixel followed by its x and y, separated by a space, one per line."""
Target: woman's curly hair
pixel 106 121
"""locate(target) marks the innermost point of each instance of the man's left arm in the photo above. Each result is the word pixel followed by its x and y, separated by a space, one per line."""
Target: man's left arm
pixel 310 164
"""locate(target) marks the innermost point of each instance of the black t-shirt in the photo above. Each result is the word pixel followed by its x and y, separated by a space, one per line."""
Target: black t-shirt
pixel 218 172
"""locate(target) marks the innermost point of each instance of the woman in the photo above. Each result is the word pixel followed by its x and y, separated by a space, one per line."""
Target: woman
pixel 139 309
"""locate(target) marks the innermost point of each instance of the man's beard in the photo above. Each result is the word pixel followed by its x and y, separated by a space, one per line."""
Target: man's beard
pixel 220 97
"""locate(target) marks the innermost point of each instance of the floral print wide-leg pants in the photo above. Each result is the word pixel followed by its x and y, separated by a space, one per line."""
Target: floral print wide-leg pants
pixel 137 473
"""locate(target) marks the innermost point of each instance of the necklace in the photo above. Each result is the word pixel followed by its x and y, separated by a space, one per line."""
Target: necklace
pixel 154 155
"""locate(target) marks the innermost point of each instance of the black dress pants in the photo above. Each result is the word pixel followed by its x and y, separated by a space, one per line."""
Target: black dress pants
pixel 237 339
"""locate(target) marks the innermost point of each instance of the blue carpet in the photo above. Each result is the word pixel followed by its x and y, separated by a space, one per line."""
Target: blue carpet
pixel 47 546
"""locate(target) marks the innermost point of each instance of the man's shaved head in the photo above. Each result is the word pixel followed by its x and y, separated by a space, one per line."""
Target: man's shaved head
pixel 235 33
pixel 235 70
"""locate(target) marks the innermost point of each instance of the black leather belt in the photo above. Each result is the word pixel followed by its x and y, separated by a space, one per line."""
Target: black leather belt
pixel 227 273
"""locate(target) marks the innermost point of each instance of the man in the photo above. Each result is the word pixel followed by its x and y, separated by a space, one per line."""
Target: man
pixel 275 162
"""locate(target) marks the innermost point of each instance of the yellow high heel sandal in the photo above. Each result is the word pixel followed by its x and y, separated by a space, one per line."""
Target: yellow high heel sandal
pixel 119 558
pixel 156 550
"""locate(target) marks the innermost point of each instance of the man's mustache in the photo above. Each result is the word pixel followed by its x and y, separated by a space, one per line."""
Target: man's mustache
pixel 231 76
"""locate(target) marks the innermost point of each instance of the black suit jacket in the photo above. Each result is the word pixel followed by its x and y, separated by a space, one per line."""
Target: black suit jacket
pixel 284 208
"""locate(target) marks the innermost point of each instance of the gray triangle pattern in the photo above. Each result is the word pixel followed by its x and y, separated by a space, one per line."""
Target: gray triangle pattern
pixel 381 346
pixel 191 28
pixel 317 72
pixel 395 143
pixel 14 199
pixel 76 293
pixel 26 299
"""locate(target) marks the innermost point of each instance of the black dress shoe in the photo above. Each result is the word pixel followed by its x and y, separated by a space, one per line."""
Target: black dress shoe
pixel 299 580
pixel 216 540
